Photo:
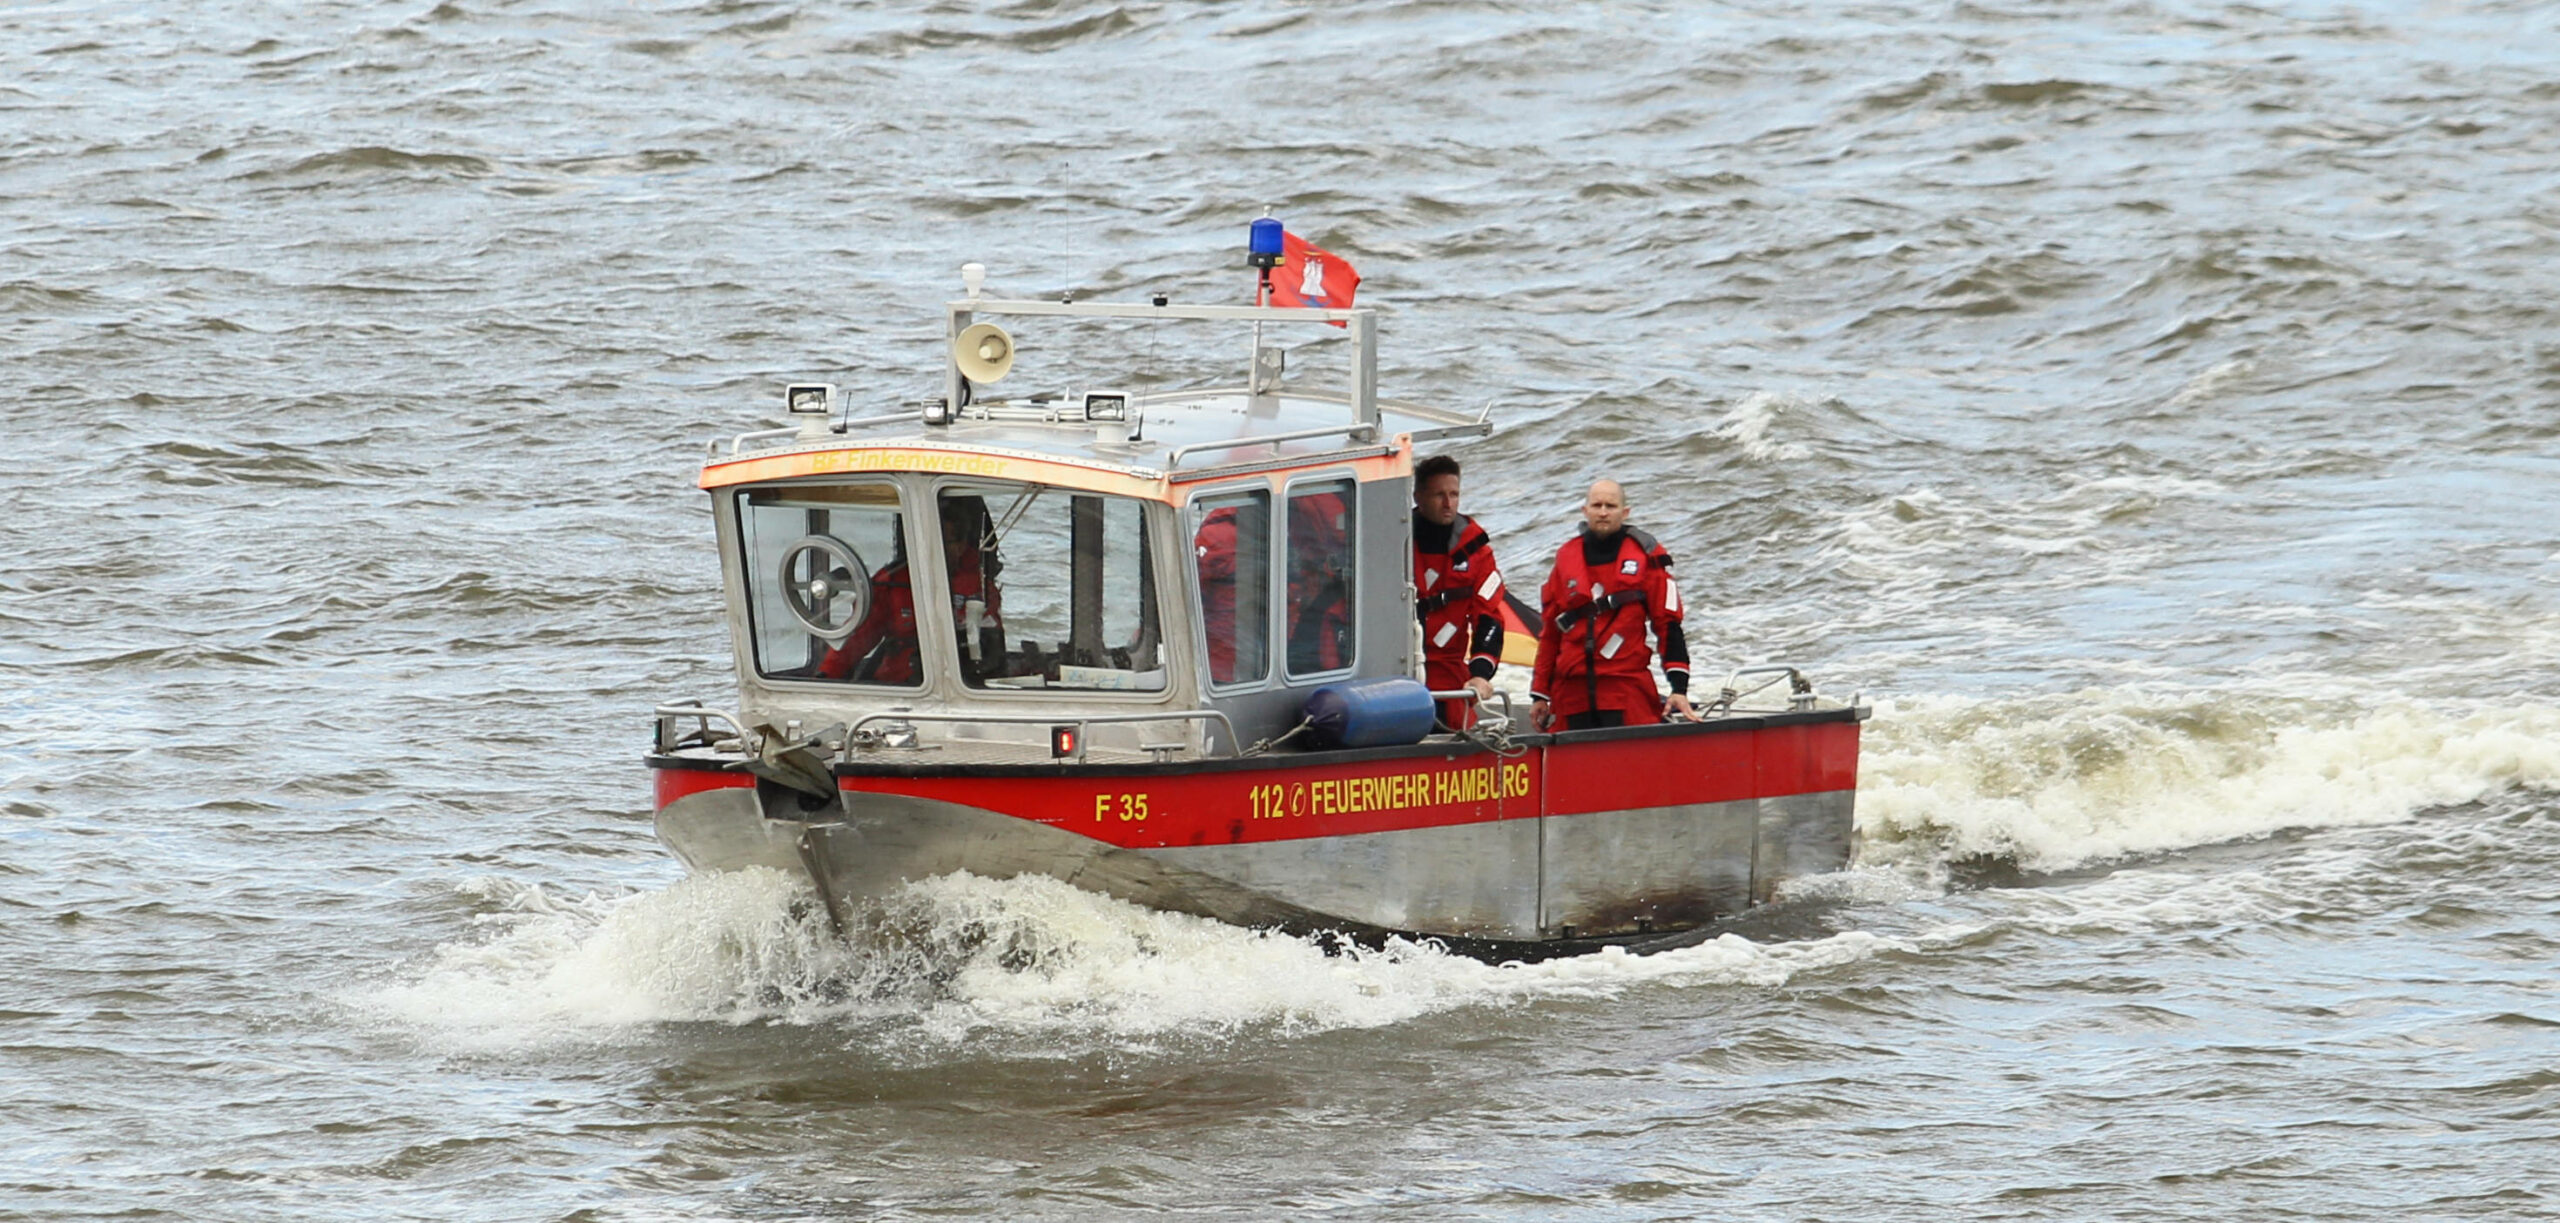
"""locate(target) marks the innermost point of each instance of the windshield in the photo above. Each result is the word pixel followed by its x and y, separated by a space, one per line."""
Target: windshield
pixel 1051 589
pixel 828 591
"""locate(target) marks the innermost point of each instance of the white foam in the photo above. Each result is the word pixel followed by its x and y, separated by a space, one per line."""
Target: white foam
pixel 2058 781
pixel 1747 424
pixel 541 967
pixel 2206 387
pixel 951 962
pixel 1102 965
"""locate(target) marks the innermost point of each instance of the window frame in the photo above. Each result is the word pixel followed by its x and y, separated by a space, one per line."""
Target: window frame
pixel 756 596
pixel 1350 482
pixel 1195 512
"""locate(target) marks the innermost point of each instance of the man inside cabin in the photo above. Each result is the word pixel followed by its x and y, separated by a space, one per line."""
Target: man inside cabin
pixel 1458 592
pixel 969 551
pixel 1611 583
pixel 882 648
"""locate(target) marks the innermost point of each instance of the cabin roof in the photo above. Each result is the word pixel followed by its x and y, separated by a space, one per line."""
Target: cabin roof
pixel 1184 438
pixel 1144 444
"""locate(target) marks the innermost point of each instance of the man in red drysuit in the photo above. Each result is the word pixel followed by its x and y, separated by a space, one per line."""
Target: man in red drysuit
pixel 1457 592
pixel 1611 583
pixel 882 649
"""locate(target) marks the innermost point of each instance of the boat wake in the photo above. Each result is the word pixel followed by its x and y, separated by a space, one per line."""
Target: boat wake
pixel 1030 965
pixel 2070 780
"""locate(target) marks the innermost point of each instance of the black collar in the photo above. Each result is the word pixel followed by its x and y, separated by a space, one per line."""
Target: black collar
pixel 1429 536
pixel 1598 549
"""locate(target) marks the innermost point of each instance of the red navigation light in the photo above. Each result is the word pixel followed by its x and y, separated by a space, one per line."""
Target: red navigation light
pixel 1062 742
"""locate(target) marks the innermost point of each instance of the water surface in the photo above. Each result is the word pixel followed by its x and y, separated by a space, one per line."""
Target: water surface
pixel 2145 404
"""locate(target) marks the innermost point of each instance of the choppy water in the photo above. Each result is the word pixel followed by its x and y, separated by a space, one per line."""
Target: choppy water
pixel 2150 405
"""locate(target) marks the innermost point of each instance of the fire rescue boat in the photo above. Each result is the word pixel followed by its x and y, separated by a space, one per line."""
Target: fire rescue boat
pixel 1163 645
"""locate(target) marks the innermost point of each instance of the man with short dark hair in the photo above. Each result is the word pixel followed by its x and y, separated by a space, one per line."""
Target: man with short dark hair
pixel 1457 592
pixel 1612 582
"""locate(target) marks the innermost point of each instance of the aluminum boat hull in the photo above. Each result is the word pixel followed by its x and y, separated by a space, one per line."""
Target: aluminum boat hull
pixel 1567 841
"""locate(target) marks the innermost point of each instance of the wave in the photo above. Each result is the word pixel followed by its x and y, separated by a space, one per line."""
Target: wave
pixel 370 159
pixel 962 966
pixel 1748 424
pixel 2052 782
pixel 1953 563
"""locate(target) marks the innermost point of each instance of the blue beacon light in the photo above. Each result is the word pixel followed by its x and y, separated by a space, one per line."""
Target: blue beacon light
pixel 1265 245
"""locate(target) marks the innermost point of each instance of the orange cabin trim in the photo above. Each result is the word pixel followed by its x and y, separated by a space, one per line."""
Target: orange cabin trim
pixel 991 465
pixel 933 461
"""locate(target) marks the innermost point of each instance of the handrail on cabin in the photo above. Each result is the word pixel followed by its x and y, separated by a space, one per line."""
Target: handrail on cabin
pixel 1353 432
pixel 739 442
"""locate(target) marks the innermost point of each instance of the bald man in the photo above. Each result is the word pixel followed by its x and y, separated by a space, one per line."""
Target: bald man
pixel 1611 585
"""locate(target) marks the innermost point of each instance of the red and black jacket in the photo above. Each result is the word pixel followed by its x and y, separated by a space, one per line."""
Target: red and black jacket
pixel 1458 598
pixel 1604 593
pixel 882 649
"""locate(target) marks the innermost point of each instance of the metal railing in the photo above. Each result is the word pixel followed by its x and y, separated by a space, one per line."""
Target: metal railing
pixel 739 443
pixel 1469 694
pixel 668 715
pixel 1361 322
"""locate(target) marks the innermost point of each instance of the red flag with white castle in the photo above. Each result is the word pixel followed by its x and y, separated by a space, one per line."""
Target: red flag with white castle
pixel 1311 276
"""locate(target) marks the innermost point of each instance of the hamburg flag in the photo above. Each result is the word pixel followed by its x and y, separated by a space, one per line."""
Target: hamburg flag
pixel 1310 276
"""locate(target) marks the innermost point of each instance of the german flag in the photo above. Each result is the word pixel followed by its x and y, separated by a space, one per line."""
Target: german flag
pixel 1519 630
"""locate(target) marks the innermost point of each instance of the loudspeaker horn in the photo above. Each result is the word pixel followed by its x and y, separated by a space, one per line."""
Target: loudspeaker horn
pixel 984 353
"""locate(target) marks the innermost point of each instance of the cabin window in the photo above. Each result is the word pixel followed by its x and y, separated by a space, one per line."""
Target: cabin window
pixel 828 593
pixel 1322 586
pixel 1051 589
pixel 1231 549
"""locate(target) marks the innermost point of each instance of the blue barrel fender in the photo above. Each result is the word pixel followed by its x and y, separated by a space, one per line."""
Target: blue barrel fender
pixel 1369 713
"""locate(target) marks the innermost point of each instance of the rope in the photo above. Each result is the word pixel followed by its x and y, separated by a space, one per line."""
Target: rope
pixel 1276 740
pixel 1493 736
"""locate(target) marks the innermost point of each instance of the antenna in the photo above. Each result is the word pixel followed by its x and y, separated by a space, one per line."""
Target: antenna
pixel 1068 294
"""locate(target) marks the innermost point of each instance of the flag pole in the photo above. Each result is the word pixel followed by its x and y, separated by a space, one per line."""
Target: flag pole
pixel 1263 252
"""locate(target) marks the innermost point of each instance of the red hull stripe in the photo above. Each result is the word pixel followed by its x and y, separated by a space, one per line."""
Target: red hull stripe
pixel 1633 774
pixel 674 784
pixel 1283 803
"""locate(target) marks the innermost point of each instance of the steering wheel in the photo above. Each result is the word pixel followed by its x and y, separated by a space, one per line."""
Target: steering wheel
pixel 826 586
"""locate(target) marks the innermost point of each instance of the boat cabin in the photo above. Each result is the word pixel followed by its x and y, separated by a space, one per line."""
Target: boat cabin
pixel 1079 572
